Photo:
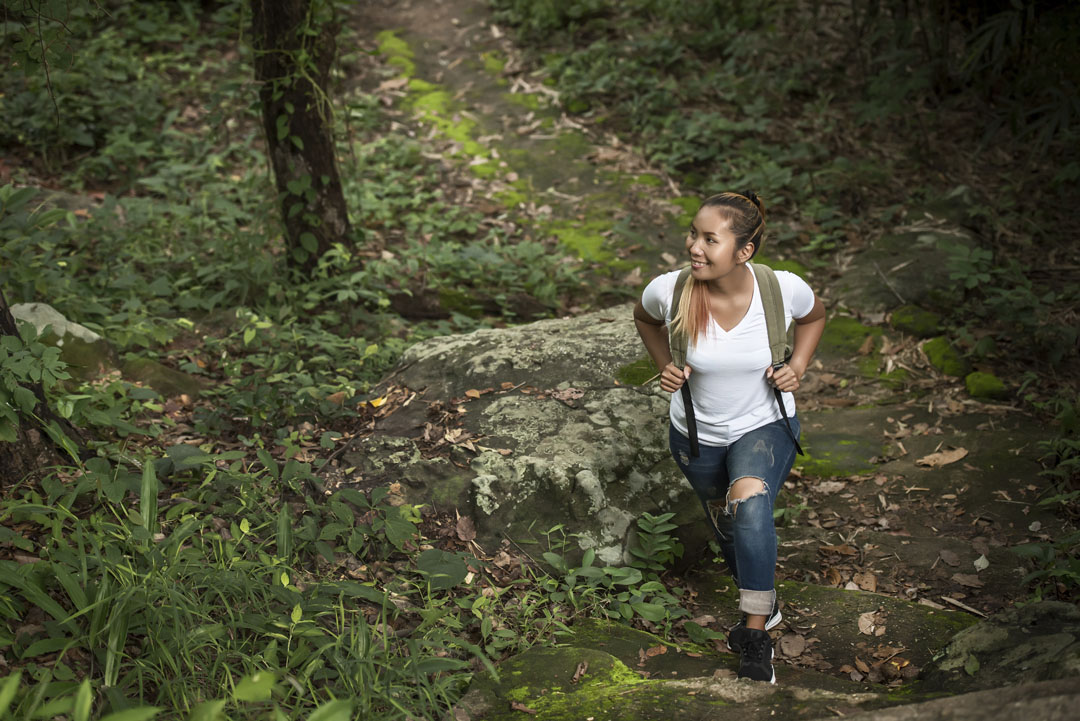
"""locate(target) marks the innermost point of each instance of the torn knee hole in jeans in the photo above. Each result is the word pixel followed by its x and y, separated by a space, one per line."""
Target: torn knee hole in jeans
pixel 733 503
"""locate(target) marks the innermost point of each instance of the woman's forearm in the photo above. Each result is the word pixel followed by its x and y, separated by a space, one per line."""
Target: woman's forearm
pixel 655 338
pixel 808 331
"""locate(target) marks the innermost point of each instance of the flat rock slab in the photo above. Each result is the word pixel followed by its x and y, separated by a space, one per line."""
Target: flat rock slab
pixel 906 266
pixel 1046 701
pixel 578 683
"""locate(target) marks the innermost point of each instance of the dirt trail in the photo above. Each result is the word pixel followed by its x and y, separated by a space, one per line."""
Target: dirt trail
pixel 912 489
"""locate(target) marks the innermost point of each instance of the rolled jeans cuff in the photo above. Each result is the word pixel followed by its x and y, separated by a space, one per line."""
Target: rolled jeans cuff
pixel 756 603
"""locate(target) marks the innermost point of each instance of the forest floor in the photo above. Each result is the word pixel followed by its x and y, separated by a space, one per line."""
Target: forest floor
pixel 912 489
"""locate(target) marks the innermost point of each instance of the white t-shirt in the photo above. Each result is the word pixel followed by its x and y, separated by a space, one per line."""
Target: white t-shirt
pixel 727 382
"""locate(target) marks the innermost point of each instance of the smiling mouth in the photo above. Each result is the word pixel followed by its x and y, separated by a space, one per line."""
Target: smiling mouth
pixel 698 264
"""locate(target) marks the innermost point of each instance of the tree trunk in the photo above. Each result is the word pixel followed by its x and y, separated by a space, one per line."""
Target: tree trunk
pixel 33 450
pixel 293 55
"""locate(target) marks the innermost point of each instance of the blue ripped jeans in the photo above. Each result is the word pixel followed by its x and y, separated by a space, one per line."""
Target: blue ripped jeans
pixel 744 527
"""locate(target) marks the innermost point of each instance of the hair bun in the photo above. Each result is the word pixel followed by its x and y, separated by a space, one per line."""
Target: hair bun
pixel 756 201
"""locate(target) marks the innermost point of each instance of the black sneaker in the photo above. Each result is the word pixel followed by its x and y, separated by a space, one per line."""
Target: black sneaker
pixel 738 631
pixel 756 662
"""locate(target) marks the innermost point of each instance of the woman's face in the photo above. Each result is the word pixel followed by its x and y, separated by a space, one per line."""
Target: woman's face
pixel 711 246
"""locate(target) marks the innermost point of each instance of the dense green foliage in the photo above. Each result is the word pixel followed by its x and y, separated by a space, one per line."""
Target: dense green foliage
pixel 842 118
pixel 169 571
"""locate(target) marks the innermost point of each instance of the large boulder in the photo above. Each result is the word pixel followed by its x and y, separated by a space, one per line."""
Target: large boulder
pixel 542 433
pixel 86 353
pixel 89 355
pixel 1036 642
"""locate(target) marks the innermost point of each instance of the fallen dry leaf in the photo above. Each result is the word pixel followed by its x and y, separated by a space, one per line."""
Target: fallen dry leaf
pixel 792 645
pixel 862 665
pixel 866 581
pixel 656 651
pixel 942 458
pixel 392 84
pixel 517 706
pixel 866 623
pixel 466 531
pixel 949 557
pixel 830 487
pixel 967 579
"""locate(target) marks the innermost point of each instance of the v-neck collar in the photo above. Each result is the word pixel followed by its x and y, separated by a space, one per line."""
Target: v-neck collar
pixel 753 296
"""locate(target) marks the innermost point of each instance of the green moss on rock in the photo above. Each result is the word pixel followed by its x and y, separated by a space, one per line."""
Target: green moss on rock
pixel 649 180
pixel 586 239
pixel 943 356
pixel 636 373
pixel 166 381
pixel 985 385
pixel 895 379
pixel 397 52
pixel 845 336
pixel 916 321
pixel 493 62
pixel 689 205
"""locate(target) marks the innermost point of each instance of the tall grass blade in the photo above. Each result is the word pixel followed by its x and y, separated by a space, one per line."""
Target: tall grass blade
pixel 284 536
pixel 114 651
pixel 7 691
pixel 84 701
pixel 148 501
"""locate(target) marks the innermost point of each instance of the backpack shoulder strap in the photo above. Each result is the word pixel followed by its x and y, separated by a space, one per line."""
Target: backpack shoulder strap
pixel 781 339
pixel 678 341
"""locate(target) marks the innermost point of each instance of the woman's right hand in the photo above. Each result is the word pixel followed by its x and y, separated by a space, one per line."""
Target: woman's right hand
pixel 673 377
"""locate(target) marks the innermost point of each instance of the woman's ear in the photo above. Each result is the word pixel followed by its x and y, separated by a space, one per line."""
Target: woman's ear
pixel 745 253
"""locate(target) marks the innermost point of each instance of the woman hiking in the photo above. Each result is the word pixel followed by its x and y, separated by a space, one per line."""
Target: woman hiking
pixel 729 433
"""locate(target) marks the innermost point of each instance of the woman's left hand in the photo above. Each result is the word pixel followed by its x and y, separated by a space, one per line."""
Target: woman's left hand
pixel 785 378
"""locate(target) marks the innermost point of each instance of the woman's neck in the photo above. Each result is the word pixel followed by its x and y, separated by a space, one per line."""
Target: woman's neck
pixel 738 281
